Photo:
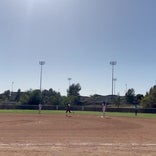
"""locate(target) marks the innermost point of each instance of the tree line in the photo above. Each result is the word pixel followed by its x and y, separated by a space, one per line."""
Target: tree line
pixel 52 97
pixel 46 97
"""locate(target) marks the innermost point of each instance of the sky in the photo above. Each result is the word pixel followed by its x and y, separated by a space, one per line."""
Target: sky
pixel 77 39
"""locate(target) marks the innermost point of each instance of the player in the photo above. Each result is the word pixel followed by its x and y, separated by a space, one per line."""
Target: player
pixel 68 109
pixel 39 108
pixel 136 109
pixel 103 108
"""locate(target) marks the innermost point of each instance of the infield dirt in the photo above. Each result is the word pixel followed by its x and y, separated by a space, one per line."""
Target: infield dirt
pixel 85 135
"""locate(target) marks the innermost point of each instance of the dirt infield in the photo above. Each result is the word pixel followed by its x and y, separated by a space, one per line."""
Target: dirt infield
pixel 85 135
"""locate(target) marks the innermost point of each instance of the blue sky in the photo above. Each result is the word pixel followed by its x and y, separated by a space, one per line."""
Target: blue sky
pixel 78 39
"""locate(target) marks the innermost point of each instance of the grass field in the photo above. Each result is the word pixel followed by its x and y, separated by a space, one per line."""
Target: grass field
pixel 119 114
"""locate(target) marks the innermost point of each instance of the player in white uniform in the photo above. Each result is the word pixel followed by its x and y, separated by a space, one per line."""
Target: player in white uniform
pixel 39 108
pixel 103 108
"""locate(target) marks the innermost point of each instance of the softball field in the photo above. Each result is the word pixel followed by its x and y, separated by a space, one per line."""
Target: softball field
pixel 78 135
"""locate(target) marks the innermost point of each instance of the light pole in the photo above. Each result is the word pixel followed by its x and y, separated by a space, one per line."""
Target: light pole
pixel 69 79
pixel 68 90
pixel 12 87
pixel 114 84
pixel 126 88
pixel 40 104
pixel 11 92
pixel 41 63
pixel 113 63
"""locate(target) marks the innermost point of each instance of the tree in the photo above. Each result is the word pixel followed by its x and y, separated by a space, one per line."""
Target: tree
pixel 139 98
pixel 130 96
pixel 117 100
pixel 73 93
pixel 31 97
pixel 64 100
pixel 18 95
pixel 74 90
pixel 149 101
pixel 25 98
pixel 35 97
pixel 6 95
pixel 51 97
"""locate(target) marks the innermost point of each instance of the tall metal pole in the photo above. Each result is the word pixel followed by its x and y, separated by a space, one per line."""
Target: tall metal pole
pixel 40 104
pixel 41 63
pixel 114 85
pixel 11 92
pixel 113 63
pixel 126 88
pixel 12 87
pixel 69 79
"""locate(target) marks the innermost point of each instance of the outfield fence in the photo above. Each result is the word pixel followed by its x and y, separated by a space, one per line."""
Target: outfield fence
pixel 76 108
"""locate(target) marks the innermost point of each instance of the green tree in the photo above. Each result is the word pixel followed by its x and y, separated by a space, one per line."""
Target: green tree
pixel 73 93
pixel 18 95
pixel 149 101
pixel 35 97
pixel 31 97
pixel 25 98
pixel 6 95
pixel 139 98
pixel 64 100
pixel 117 100
pixel 130 96
pixel 74 90
pixel 51 97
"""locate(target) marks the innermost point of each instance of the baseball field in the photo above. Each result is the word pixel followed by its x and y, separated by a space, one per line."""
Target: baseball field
pixel 81 134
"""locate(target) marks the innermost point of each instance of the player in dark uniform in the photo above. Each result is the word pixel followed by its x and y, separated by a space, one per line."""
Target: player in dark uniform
pixel 68 109
pixel 136 109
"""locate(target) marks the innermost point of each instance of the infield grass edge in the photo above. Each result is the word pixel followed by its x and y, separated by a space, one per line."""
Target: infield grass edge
pixel 117 114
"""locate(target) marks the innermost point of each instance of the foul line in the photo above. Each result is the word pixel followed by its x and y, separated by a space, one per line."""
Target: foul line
pixel 5 145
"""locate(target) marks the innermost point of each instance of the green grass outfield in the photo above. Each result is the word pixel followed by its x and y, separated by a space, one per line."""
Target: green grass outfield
pixel 140 115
